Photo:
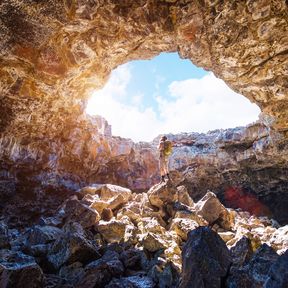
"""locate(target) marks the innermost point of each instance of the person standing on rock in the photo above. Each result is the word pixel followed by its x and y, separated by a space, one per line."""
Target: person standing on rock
pixel 165 150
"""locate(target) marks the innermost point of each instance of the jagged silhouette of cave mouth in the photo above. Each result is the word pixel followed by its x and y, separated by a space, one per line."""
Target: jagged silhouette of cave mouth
pixel 143 99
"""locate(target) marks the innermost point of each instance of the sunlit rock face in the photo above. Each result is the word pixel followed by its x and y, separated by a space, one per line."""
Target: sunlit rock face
pixel 53 53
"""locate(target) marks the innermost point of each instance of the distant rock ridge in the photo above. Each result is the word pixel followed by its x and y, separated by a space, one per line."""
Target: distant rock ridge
pixel 109 236
pixel 249 160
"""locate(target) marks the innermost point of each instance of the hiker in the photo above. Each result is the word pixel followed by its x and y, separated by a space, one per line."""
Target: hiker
pixel 165 150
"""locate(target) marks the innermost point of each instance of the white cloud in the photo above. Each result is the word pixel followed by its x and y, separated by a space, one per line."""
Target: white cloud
pixel 196 105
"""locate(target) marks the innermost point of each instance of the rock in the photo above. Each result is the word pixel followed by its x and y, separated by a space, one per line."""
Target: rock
pixel 132 259
pixel 164 275
pixel 132 282
pixel 183 226
pixel 7 189
pixel 53 281
pixel 254 273
pixel 19 270
pixel 226 236
pixel 107 214
pixel 206 259
pixel 75 211
pixel 107 191
pixel 4 236
pixel 72 273
pixel 148 224
pixel 161 194
pixel 71 247
pixel 153 242
pixel 107 196
pixel 99 273
pixel 210 208
pixel 279 239
pixel 184 196
pixel 278 273
pixel 115 230
pixel 241 253
pixel 42 235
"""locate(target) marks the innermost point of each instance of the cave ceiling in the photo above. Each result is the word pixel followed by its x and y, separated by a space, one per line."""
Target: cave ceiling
pixel 53 53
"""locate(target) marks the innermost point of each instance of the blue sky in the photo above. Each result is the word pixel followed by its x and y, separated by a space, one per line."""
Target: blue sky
pixel 152 77
pixel 166 94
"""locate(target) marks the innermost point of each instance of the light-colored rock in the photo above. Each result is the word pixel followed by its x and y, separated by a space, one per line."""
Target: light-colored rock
pixel 183 226
pixel 107 191
pixel 161 194
pixel 116 230
pixel 148 224
pixel 153 242
pixel 210 208
pixel 184 197
pixel 226 236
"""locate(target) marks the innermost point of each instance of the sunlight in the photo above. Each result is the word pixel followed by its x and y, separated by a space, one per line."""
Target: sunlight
pixel 143 99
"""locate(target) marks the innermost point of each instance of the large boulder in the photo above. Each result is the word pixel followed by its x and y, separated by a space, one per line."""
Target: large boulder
pixel 71 247
pixel 42 235
pixel 106 191
pixel 163 193
pixel 182 226
pixel 37 240
pixel 99 273
pixel 241 253
pixel 206 260
pixel 105 196
pixel 75 211
pixel 72 273
pixel 211 209
pixel 278 273
pixel 116 230
pixel 18 270
pixel 184 197
pixel 153 242
pixel 255 272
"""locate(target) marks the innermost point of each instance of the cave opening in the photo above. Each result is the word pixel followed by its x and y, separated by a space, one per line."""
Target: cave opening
pixel 145 98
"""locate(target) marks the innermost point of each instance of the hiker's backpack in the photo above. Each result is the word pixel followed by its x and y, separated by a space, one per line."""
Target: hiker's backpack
pixel 167 148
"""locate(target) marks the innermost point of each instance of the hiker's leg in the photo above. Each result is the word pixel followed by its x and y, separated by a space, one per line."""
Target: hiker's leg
pixel 166 168
pixel 162 168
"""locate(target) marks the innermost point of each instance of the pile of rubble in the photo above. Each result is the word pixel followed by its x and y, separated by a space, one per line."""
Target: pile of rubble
pixel 108 236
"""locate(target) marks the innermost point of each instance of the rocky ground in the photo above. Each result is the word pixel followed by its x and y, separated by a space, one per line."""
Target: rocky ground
pixel 108 236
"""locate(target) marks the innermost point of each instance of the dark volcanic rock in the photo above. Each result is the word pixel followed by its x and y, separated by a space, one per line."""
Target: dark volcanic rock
pixel 18 270
pixel 72 273
pixel 42 235
pixel 255 272
pixel 75 211
pixel 72 246
pixel 241 253
pixel 206 260
pixel 99 273
pixel 4 237
pixel 278 273
pixel 132 282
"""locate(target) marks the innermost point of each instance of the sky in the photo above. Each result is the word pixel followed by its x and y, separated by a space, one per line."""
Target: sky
pixel 145 98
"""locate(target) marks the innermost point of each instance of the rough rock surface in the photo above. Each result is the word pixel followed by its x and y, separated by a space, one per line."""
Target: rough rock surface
pixel 206 259
pixel 255 272
pixel 150 250
pixel 19 270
